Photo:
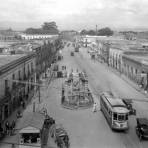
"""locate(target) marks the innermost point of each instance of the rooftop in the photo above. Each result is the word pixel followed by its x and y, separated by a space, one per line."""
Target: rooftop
pixel 5 44
pixel 115 102
pixel 5 59
pixel 139 58
pixel 33 119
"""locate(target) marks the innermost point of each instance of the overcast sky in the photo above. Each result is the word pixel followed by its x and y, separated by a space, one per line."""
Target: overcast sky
pixel 74 14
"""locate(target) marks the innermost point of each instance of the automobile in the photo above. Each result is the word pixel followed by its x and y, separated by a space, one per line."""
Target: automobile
pixel 72 53
pixel 60 136
pixel 128 103
pixel 142 128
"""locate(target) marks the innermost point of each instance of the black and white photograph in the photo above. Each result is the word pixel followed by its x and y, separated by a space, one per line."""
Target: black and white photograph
pixel 74 74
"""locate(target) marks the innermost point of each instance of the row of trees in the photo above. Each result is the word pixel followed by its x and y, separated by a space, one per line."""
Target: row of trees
pixel 101 32
pixel 47 28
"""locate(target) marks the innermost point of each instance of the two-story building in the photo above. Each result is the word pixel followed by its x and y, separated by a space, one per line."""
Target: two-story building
pixel 115 57
pixel 17 75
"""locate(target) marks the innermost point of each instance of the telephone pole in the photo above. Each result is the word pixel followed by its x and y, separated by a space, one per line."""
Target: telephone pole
pixel 96 29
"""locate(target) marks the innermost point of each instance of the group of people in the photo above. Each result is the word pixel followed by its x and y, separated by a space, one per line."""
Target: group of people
pixel 8 128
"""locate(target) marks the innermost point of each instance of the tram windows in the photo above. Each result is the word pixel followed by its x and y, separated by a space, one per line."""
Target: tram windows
pixel 30 137
pixel 126 117
pixel 105 106
pixel 115 116
pixel 121 117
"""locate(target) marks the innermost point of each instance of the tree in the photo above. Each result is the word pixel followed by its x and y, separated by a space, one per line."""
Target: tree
pixel 91 32
pixel 47 28
pixel 50 27
pixel 83 32
pixel 58 44
pixel 105 32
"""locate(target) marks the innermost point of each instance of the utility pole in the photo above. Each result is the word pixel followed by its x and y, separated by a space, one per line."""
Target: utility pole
pixel 96 29
pixel 33 106
pixel 39 94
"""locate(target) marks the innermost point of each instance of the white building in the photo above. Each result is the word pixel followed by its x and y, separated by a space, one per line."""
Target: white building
pixel 38 36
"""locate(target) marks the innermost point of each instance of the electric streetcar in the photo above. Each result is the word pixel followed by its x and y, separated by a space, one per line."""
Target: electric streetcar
pixel 115 111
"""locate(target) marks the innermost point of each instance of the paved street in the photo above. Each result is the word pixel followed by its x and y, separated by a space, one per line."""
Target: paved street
pixel 85 128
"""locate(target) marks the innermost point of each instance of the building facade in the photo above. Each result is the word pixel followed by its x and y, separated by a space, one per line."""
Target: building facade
pixel 38 36
pixel 16 79
pixel 135 67
pixel 115 58
pixel 103 51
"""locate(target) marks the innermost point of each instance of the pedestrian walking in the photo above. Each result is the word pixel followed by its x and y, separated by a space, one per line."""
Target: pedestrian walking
pixel 1 130
pixel 23 104
pixel 13 126
pixel 7 127
pixel 95 107
pixel 13 145
pixel 10 129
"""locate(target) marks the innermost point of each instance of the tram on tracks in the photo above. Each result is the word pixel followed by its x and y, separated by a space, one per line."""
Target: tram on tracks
pixel 115 111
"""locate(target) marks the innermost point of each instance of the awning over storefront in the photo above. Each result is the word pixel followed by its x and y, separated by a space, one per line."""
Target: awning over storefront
pixel 29 129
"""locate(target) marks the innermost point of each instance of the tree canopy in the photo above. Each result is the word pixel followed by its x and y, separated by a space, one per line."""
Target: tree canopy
pixel 105 32
pixel 47 28
pixel 101 32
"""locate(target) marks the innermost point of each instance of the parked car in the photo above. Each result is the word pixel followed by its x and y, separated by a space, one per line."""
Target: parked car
pixel 142 128
pixel 60 136
pixel 128 103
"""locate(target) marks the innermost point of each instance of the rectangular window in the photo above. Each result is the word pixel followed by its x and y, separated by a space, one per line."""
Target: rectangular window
pixel 13 76
pixel 121 117
pixel 135 71
pixel 126 117
pixel 19 74
pixel 115 116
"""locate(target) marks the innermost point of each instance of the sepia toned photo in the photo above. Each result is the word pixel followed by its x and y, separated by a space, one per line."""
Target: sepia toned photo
pixel 74 74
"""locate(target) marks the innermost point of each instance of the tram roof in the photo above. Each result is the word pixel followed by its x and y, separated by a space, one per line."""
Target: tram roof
pixel 120 110
pixel 114 102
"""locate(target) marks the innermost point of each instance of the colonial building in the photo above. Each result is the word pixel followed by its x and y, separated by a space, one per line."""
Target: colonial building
pixel 135 67
pixel 6 35
pixel 115 58
pixel 103 51
pixel 38 36
pixel 15 69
